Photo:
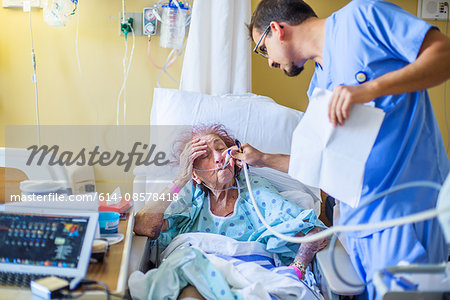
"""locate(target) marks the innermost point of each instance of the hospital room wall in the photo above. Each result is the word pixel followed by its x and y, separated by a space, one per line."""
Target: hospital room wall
pixel 291 92
pixel 66 95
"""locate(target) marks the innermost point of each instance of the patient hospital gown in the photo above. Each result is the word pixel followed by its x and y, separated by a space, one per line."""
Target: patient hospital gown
pixel 193 214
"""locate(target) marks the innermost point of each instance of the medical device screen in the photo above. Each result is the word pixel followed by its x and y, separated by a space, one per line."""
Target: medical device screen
pixel 41 240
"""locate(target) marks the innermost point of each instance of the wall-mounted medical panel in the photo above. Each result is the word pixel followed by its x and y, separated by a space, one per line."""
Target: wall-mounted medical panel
pixel 433 9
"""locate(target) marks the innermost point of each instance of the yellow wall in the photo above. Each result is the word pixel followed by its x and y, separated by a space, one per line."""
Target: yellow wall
pixel 65 97
pixel 292 91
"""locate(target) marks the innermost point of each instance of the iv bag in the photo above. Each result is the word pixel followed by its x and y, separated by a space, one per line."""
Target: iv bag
pixel 58 12
pixel 173 27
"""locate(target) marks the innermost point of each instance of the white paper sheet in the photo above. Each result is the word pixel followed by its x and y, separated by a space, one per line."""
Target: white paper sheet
pixel 334 159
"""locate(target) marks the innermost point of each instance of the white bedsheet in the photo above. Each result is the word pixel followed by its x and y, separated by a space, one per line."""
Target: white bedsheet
pixel 251 280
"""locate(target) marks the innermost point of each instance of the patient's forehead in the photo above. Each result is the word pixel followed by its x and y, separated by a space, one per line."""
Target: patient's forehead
pixel 212 139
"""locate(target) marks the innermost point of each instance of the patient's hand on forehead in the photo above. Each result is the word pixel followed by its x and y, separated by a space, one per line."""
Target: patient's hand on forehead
pixel 192 150
pixel 209 166
pixel 201 157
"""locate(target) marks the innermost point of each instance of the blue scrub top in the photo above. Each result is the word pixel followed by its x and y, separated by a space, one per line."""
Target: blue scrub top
pixel 377 37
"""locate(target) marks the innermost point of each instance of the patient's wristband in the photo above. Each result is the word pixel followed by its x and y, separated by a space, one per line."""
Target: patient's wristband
pixel 174 188
pixel 299 269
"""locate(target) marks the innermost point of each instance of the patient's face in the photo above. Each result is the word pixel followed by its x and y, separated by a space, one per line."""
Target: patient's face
pixel 213 158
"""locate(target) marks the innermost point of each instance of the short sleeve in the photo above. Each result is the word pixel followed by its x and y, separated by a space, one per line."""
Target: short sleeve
pixel 400 32
pixel 181 213
pixel 177 214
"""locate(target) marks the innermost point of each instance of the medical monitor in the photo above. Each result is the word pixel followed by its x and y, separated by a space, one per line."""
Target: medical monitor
pixel 46 242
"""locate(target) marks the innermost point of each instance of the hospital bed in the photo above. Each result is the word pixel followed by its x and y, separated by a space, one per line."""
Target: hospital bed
pixel 260 122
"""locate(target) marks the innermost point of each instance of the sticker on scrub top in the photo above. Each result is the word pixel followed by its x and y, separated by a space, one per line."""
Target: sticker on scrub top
pixel 361 77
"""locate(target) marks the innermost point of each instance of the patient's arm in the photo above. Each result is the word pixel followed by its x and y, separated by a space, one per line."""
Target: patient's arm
pixel 149 221
pixel 306 251
pixel 150 224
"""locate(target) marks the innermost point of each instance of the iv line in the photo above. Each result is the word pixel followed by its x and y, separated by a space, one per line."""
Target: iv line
pixel 34 78
pixel 126 73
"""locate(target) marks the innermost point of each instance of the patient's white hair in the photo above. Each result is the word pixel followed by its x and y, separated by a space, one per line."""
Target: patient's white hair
pixel 199 130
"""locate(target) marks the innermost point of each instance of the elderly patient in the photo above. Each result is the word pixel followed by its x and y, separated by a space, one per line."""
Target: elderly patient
pixel 220 203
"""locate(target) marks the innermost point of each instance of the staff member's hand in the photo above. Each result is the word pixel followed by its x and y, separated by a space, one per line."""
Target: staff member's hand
pixel 343 98
pixel 250 155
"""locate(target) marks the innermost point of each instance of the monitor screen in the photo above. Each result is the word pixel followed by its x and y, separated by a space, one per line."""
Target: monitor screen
pixel 41 240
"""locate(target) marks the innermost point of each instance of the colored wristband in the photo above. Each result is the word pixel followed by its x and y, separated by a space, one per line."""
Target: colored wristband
pixel 297 271
pixel 174 188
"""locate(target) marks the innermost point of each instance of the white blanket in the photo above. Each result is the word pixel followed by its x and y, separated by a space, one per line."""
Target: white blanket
pixel 249 279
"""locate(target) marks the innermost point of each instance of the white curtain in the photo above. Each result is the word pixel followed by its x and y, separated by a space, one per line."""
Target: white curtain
pixel 217 59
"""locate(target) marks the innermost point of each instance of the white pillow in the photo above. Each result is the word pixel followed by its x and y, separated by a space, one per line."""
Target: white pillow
pixel 252 119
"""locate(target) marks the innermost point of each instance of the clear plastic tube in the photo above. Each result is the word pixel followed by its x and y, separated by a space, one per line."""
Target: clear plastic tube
pixel 205 170
pixel 428 214
pixel 33 61
pixel 221 190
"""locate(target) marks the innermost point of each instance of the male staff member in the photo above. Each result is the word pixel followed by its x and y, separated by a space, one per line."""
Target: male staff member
pixel 370 51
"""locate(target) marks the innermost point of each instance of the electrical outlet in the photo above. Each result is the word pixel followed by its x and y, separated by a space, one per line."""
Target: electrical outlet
pixel 433 9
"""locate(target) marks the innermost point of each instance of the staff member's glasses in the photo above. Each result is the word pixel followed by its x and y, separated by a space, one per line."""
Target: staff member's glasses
pixel 263 50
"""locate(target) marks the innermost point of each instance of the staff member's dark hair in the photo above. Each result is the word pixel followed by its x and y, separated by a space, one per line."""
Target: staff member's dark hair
pixel 293 12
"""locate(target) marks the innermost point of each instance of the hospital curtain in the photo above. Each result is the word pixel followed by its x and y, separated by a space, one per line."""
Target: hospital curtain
pixel 217 59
